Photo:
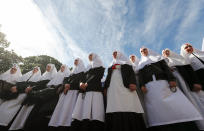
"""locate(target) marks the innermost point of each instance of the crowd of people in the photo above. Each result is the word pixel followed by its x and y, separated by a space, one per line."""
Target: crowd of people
pixel 156 93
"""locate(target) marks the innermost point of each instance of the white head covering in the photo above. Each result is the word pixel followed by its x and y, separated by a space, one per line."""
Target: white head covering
pixel 96 62
pixel 134 64
pixel 120 59
pixel 79 68
pixel 152 57
pixel 186 55
pixel 59 77
pixel 51 74
pixel 175 59
pixel 11 78
pixel 32 77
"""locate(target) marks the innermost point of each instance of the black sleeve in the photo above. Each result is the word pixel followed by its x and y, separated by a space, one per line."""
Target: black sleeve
pixel 83 78
pixel 108 78
pixel 21 86
pixel 193 75
pixel 40 85
pixel 167 71
pixel 132 77
pixel 97 75
pixel 141 78
pixel 65 81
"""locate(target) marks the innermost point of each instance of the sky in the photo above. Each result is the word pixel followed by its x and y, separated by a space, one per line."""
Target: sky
pixel 66 29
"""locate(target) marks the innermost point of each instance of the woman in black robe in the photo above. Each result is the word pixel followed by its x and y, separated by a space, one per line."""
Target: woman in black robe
pixel 165 103
pixel 187 80
pixel 124 110
pixel 89 108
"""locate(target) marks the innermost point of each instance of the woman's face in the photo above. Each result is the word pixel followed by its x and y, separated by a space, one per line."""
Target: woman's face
pixel 115 54
pixel 166 53
pixel 144 52
pixel 62 68
pixel 90 57
pixel 132 58
pixel 13 70
pixel 48 68
pixel 35 70
pixel 188 48
pixel 76 62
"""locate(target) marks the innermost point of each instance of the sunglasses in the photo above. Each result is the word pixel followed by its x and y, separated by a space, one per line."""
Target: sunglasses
pixel 188 46
pixel 143 50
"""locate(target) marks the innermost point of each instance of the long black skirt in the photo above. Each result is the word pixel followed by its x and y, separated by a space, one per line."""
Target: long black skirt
pixel 200 74
pixel 184 126
pixel 87 125
pixel 124 121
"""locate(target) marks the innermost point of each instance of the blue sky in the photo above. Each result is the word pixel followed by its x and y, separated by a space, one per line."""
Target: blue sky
pixel 74 28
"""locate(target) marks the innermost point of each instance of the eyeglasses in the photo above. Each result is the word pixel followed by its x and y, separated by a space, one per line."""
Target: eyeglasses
pixel 143 50
pixel 188 46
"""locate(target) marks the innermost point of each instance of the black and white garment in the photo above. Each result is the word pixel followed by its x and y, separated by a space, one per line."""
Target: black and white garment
pixel 166 109
pixel 8 80
pixel 10 108
pixel 124 110
pixel 89 109
pixel 135 64
pixel 29 103
pixel 196 59
pixel 62 116
pixel 186 77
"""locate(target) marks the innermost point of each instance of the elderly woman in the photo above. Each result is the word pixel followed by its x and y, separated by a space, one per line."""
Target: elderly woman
pixel 9 108
pixel 7 81
pixel 124 110
pixel 89 108
pixel 196 58
pixel 29 109
pixel 187 79
pixel 62 116
pixel 165 103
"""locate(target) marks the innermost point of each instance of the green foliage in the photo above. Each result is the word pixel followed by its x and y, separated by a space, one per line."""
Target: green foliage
pixel 8 58
pixel 30 62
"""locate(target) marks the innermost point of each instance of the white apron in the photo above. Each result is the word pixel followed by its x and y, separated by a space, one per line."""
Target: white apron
pixel 196 98
pixel 21 118
pixel 8 109
pixel 121 99
pixel 91 107
pixel 62 115
pixel 165 107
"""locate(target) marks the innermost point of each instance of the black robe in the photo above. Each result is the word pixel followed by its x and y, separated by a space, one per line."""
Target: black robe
pixel 74 81
pixel 93 78
pixel 160 69
pixel 162 72
pixel 123 121
pixel 188 74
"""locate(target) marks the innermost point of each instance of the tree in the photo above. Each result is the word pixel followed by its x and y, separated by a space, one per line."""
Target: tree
pixel 3 41
pixel 30 62
pixel 7 58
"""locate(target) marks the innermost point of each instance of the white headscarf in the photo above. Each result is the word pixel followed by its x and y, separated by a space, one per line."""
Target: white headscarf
pixel 51 74
pixel 59 77
pixel 175 59
pixel 120 59
pixel 79 68
pixel 195 62
pixel 152 57
pixel 32 77
pixel 185 54
pixel 134 64
pixel 11 78
pixel 96 62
